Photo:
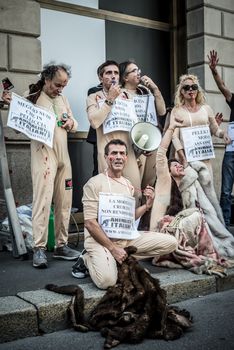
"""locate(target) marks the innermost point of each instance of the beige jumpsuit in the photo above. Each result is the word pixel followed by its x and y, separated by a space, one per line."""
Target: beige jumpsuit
pixel 52 177
pixel 204 116
pixel 97 116
pixel 148 164
pixel 99 261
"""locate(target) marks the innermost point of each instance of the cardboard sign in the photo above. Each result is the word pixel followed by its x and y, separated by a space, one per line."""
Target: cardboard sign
pixel 145 109
pixel 122 116
pixel 116 215
pixel 230 148
pixel 198 143
pixel 35 122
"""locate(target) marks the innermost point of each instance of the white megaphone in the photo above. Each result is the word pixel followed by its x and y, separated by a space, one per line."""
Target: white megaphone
pixel 145 137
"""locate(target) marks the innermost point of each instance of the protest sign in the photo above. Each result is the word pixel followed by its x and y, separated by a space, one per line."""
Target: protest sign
pixel 230 147
pixel 116 215
pixel 121 117
pixel 198 143
pixel 145 108
pixel 35 122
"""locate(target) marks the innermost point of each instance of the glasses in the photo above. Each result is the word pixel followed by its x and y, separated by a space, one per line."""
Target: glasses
pixel 135 70
pixel 188 87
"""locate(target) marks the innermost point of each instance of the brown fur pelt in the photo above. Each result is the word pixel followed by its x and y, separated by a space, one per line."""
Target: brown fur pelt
pixel 76 306
pixel 134 309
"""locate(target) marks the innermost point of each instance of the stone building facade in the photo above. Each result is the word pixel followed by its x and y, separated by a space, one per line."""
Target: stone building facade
pixel 209 25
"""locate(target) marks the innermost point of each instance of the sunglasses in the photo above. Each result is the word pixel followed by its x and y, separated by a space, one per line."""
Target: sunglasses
pixel 188 87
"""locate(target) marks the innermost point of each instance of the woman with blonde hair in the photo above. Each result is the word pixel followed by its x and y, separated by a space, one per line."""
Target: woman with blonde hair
pixel 190 106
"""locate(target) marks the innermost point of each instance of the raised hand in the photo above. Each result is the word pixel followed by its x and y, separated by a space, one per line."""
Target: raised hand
pixel 149 194
pixel 213 59
pixel 219 118
pixel 148 82
pixel 6 97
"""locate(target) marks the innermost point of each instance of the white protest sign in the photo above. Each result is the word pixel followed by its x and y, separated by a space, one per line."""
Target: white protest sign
pixel 145 108
pixel 121 117
pixel 198 143
pixel 35 122
pixel 230 148
pixel 116 215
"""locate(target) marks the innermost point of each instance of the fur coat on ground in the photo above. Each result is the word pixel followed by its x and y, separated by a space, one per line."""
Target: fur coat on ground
pixel 133 309
pixel 197 190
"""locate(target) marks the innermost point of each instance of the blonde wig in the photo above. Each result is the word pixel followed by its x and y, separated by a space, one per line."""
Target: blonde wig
pixel 179 98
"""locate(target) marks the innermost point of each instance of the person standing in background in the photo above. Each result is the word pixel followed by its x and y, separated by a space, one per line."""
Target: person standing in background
pixel 92 135
pixel 228 159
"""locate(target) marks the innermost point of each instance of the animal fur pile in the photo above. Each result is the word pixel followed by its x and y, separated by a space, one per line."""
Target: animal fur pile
pixel 134 309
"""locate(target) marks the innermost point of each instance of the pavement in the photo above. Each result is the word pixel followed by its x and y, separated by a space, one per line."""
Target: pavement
pixel 27 309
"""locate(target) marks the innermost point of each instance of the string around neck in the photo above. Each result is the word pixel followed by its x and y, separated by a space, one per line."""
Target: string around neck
pixel 124 184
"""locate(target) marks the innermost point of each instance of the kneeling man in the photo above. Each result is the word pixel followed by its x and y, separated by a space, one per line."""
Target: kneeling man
pixel 110 214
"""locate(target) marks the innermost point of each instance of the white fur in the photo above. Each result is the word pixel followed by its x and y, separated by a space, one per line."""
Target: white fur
pixel 197 185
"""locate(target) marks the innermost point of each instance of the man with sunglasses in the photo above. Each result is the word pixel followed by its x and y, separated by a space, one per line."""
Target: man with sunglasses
pixel 228 159
pixel 190 106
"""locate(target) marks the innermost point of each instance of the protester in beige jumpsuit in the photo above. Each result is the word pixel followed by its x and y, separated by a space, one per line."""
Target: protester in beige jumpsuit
pixel 131 82
pixel 50 167
pixel 191 107
pixel 102 251
pixel 52 177
pixel 109 73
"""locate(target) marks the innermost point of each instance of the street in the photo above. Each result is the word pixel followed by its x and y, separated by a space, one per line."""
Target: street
pixel 213 329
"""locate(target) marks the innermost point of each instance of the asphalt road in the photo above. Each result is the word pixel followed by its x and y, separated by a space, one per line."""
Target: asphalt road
pixel 213 329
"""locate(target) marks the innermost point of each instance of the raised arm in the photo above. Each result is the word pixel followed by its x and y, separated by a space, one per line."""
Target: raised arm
pixel 163 183
pixel 159 100
pixel 213 61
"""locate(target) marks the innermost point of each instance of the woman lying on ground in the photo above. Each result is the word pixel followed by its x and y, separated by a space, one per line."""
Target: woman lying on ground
pixel 188 211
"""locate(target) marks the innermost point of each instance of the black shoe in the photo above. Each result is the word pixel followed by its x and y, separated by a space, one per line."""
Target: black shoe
pixel 66 253
pixel 79 270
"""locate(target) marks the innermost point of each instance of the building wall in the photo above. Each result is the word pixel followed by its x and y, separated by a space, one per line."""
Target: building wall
pixel 20 61
pixel 210 26
pixel 20 54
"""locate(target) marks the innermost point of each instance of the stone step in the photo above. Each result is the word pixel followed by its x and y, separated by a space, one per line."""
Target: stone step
pixel 37 312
